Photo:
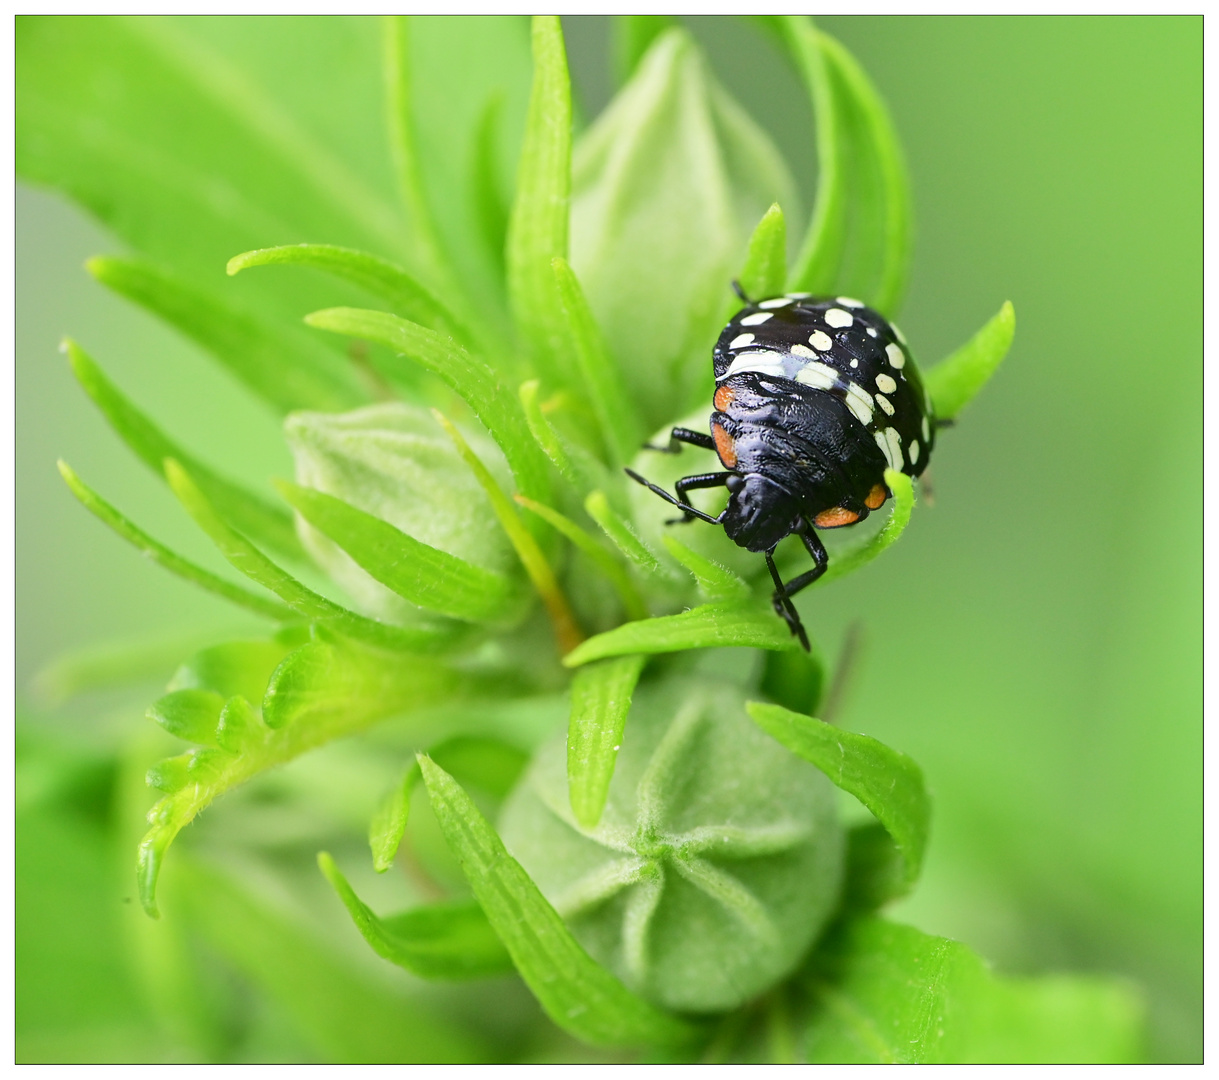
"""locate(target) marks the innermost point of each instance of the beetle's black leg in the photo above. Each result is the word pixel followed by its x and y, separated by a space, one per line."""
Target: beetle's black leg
pixel 821 561
pixel 685 507
pixel 784 608
pixel 681 435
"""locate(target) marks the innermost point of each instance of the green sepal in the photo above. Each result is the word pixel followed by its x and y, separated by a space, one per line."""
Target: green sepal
pixel 600 700
pixel 955 381
pixel 794 679
pixel 632 37
pixel 847 562
pixel 576 992
pixel 886 781
pixel 189 714
pixel 424 575
pixel 715 582
pixel 436 941
pixel 576 465
pixel 711 626
pixel 232 668
pixel 622 533
pixel 765 269
pixel 282 366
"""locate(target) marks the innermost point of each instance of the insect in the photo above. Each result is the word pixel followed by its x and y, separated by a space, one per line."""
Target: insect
pixel 814 399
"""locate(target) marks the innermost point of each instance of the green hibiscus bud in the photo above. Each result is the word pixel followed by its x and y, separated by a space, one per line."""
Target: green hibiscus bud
pixel 716 862
pixel 395 462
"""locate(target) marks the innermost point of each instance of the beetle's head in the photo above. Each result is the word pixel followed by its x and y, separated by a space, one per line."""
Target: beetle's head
pixel 759 512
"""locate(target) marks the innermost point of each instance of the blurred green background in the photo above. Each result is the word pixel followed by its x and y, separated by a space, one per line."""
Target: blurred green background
pixel 1034 642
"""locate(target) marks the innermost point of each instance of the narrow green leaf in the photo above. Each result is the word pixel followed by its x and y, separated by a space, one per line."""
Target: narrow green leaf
pixel 604 386
pixel 794 679
pixel 490 206
pixel 438 941
pixel 708 627
pixel 765 269
pixel 380 277
pixel 577 466
pixel 858 239
pixel 621 533
pixel 600 699
pixel 954 382
pixel 388 824
pixel 632 602
pixel 190 714
pixel 245 557
pixel 715 582
pixel 887 993
pixel 575 991
pixel 478 385
pixel 567 632
pixel 537 229
pixel 848 562
pixel 285 368
pixel 163 556
pixel 887 782
pixel 632 37
pixel 424 575
pixel 261 519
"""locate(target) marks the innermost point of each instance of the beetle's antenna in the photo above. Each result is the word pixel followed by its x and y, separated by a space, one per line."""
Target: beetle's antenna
pixel 736 288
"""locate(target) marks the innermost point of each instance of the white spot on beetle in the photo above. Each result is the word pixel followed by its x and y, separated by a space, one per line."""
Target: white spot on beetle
pixel 885 403
pixel 883 443
pixel 846 301
pixel 818 376
pixel 839 319
pixel 777 302
pixel 859 401
pixel 896 357
pixel 799 295
pixel 804 350
pixel 913 452
pixel 871 331
pixel 926 430
pixel 740 341
pixel 766 363
pixel 819 339
pixel 895 445
pixel 854 363
pixel 757 318
pixel 886 383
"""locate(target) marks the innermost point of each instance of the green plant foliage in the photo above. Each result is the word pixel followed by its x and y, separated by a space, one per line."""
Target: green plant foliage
pixel 576 992
pixel 667 874
pixel 911 997
pixel 955 381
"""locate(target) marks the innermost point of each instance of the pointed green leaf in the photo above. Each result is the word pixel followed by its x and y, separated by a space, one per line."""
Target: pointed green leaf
pixel 232 668
pixel 848 562
pixel 621 430
pixel 632 602
pixel 711 626
pixel 388 824
pixel 715 582
pixel 284 367
pixel 577 466
pixel 887 782
pixel 245 557
pixel 249 512
pixel 576 992
pixel 380 277
pixel 954 382
pixel 765 269
pixel 163 556
pixel 622 533
pixel 485 391
pixel 190 714
pixel 424 575
pixel 858 239
pixel 600 699
pixel 794 679
pixel 632 37
pixel 437 941
pixel 885 993
pixel 490 206
pixel 537 230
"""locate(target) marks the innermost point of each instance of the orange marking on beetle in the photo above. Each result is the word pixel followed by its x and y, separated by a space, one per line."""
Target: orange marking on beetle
pixel 724 446
pixel 876 497
pixel 724 397
pixel 834 517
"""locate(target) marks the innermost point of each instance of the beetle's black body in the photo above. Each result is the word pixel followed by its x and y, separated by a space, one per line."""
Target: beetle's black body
pixel 814 399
